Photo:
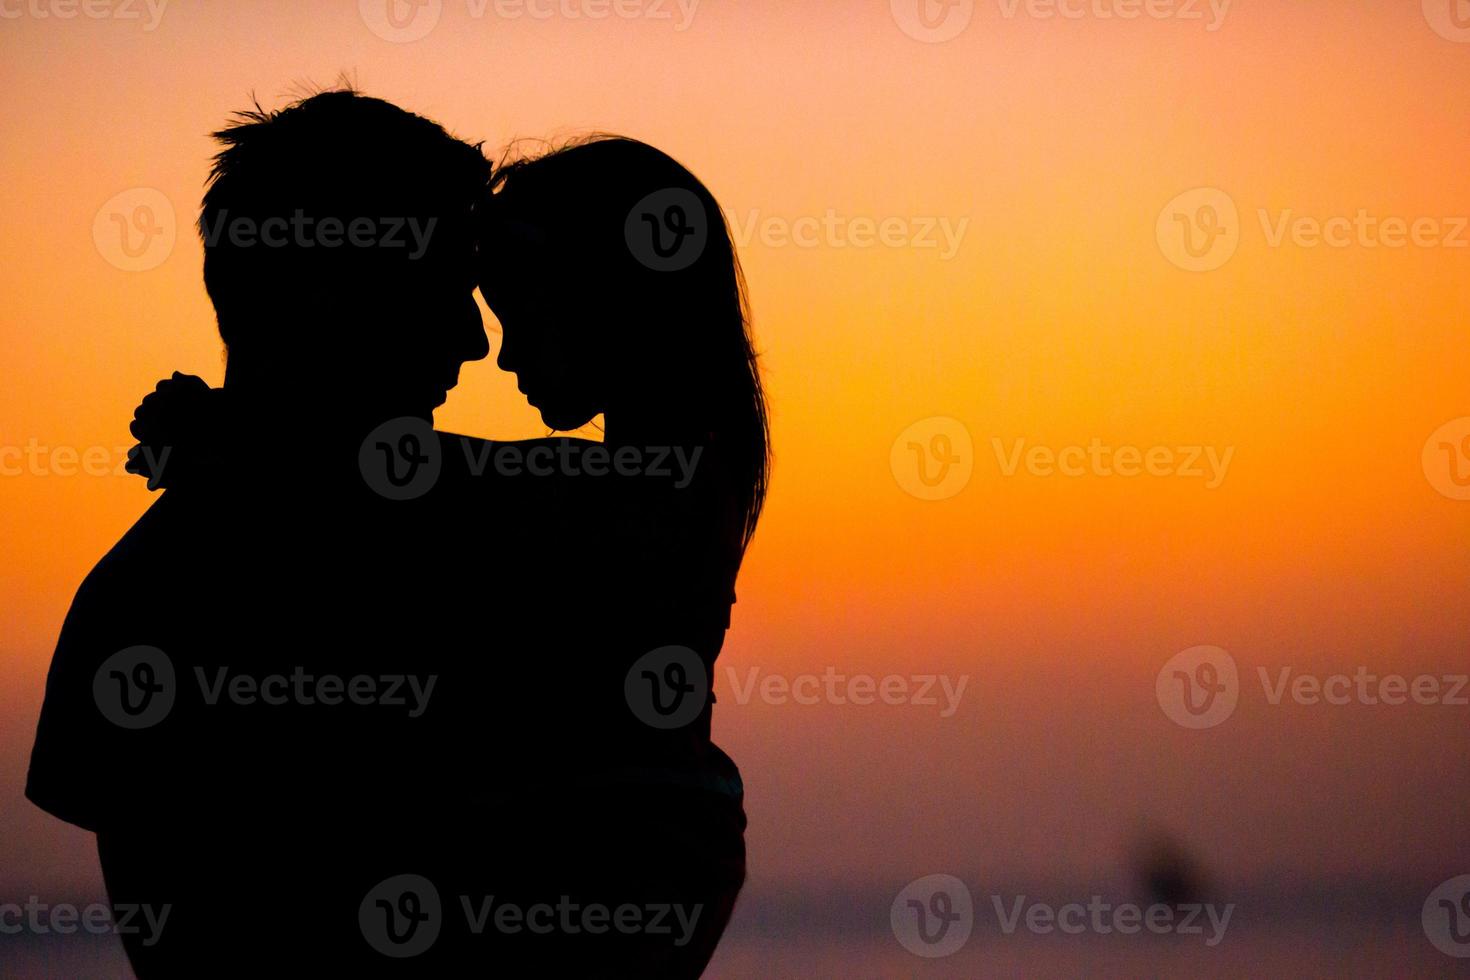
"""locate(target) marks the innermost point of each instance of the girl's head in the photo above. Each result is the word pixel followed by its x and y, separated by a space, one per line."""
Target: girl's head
pixel 611 270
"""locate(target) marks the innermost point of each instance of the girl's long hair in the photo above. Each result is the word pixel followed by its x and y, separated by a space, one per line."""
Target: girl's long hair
pixel 689 325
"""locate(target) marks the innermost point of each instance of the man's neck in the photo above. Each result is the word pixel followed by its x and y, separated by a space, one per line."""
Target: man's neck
pixel 283 404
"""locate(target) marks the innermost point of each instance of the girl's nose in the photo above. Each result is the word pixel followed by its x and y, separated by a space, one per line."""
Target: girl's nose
pixel 478 344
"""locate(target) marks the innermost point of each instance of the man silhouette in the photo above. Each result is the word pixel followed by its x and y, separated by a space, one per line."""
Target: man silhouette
pixel 240 700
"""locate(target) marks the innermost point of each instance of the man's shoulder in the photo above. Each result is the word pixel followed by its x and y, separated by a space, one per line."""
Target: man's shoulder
pixel 163 538
pixel 149 534
pixel 72 773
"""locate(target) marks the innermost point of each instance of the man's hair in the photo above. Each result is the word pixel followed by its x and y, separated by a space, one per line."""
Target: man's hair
pixel 311 170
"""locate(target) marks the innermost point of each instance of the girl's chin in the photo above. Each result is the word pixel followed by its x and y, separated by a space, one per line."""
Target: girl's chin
pixel 564 421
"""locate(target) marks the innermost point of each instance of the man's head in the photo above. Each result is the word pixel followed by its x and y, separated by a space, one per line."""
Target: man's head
pixel 338 254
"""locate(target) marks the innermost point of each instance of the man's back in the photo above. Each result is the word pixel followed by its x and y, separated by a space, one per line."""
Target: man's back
pixel 242 705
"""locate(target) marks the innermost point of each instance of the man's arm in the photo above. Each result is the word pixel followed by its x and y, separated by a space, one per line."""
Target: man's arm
pixel 94 733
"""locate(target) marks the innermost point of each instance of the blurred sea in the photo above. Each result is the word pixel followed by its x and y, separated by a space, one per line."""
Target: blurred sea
pixel 777 938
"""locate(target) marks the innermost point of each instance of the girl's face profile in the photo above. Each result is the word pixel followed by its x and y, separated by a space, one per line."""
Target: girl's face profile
pixel 548 337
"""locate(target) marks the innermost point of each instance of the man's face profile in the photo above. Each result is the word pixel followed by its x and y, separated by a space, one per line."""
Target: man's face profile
pixel 413 325
pixel 339 257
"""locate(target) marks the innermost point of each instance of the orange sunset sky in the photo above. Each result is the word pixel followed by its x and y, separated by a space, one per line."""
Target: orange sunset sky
pixel 1057 313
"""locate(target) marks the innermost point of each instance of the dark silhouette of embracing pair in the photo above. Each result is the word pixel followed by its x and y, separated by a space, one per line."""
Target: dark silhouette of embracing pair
pixel 361 695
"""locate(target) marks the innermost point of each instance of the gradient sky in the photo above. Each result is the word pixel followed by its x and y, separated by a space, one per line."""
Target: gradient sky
pixel 1059 317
